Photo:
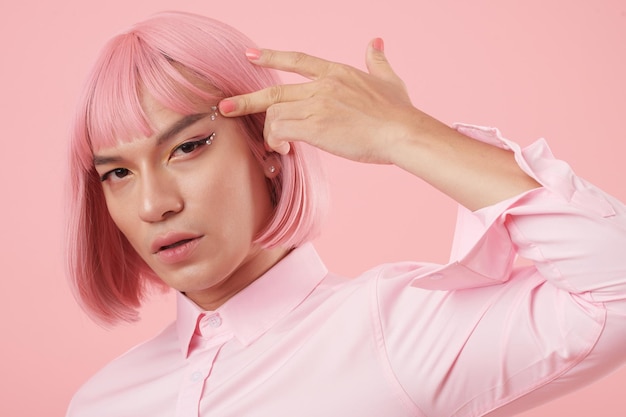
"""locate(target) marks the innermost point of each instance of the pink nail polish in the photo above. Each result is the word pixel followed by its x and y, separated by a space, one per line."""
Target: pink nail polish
pixel 378 44
pixel 253 54
pixel 226 106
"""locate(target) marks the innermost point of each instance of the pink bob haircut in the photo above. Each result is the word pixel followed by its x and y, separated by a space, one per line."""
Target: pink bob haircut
pixel 157 56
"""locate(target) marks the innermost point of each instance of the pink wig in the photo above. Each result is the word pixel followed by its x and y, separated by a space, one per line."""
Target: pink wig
pixel 108 277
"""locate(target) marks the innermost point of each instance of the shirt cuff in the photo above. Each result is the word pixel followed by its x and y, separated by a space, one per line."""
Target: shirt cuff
pixel 482 252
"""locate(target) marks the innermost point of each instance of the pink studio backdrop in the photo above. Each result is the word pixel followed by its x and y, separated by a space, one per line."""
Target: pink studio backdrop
pixel 533 68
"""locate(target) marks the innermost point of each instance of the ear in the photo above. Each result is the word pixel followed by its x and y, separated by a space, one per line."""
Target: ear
pixel 272 165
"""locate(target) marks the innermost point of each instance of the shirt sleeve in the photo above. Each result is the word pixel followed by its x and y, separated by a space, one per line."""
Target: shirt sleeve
pixel 501 339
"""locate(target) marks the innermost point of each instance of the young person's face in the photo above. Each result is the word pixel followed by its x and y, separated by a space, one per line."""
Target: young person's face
pixel 191 210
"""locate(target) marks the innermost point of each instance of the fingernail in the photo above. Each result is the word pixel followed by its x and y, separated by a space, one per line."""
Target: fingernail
pixel 378 44
pixel 253 54
pixel 226 106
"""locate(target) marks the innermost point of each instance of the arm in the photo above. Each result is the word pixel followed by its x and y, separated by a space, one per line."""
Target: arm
pixel 546 330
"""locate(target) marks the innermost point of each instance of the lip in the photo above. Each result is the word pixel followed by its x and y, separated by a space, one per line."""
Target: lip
pixel 183 246
pixel 170 239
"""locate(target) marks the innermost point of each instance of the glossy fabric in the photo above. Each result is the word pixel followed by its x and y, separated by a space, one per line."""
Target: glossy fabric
pixel 403 339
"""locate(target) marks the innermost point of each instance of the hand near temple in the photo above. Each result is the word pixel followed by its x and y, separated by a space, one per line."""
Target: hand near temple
pixel 368 117
pixel 343 110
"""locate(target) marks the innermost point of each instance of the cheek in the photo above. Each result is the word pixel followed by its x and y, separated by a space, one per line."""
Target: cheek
pixel 121 213
pixel 235 198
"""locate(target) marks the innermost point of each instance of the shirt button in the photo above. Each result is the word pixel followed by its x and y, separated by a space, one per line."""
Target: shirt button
pixel 214 321
pixel 196 376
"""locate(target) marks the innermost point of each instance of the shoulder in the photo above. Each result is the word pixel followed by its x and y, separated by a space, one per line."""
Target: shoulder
pixel 123 375
pixel 379 289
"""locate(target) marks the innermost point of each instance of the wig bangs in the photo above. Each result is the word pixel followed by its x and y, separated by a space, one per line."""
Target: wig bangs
pixel 129 69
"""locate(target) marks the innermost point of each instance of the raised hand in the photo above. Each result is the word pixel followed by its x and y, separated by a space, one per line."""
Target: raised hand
pixel 345 111
pixel 368 117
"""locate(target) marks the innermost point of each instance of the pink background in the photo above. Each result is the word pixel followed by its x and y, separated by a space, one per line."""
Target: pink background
pixel 533 68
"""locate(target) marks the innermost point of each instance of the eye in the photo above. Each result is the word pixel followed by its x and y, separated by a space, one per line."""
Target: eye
pixel 117 173
pixel 191 146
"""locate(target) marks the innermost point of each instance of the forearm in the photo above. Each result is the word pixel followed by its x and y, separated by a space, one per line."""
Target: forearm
pixel 473 173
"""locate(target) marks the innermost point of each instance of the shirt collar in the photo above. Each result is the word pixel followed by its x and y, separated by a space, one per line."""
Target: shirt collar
pixel 260 305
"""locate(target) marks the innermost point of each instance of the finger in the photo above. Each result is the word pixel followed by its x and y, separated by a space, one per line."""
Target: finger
pixel 282 148
pixel 297 110
pixel 279 122
pixel 377 63
pixel 297 62
pixel 274 141
pixel 260 101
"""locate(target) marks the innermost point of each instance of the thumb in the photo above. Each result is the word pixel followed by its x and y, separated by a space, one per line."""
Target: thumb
pixel 376 61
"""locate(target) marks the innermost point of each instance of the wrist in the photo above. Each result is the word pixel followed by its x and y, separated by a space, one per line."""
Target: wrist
pixel 416 136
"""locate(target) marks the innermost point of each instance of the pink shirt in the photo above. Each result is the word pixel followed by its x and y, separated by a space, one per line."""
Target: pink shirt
pixel 300 341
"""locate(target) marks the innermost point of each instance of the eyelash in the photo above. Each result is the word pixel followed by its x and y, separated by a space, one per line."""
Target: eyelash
pixel 195 144
pixel 106 175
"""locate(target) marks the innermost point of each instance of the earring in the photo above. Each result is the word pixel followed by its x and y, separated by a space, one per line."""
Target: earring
pixel 271 165
pixel 214 115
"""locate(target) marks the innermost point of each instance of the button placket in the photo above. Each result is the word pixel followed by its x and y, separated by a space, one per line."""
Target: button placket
pixel 190 394
pixel 195 376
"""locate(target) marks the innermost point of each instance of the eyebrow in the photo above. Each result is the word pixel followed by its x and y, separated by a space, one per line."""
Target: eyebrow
pixel 173 130
pixel 179 126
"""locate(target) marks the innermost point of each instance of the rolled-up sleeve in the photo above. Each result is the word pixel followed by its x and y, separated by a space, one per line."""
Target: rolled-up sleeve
pixel 496 337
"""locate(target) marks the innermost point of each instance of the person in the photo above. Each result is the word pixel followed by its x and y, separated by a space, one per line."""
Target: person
pixel 192 168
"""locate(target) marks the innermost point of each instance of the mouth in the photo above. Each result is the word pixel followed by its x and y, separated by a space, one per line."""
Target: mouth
pixel 174 245
pixel 171 241
pixel 179 250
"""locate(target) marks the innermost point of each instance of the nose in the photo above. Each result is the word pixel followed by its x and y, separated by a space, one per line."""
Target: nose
pixel 160 198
